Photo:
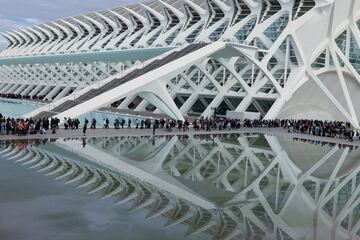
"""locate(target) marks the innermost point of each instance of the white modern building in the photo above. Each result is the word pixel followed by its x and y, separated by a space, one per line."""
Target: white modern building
pixel 282 58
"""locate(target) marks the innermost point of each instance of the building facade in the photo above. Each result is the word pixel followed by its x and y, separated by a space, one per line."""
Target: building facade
pixel 284 59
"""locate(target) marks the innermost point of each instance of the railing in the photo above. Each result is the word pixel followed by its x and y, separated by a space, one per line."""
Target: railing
pixel 83 51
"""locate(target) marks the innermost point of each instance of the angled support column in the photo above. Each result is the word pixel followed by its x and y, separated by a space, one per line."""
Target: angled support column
pixel 65 91
pixel 209 111
pixel 53 92
pixel 276 108
pixel 244 104
pixel 13 88
pixel 36 90
pixel 20 88
pixel 124 104
pixel 44 91
pixel 27 90
pixel 142 106
pixel 157 94
pixel 6 88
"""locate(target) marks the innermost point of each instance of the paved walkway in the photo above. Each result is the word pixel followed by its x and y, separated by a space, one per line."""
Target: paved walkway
pixel 62 133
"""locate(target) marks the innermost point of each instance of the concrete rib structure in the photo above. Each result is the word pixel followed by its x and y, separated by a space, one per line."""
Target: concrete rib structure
pixel 284 59
pixel 235 187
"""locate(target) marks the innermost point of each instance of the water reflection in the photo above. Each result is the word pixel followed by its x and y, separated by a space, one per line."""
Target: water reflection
pixel 230 187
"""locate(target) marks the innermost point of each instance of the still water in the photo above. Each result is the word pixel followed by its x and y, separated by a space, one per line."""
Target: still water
pixel 16 109
pixel 210 187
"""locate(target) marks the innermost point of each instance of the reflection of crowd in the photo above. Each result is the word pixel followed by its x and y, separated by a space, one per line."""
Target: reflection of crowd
pixel 22 143
pixel 322 143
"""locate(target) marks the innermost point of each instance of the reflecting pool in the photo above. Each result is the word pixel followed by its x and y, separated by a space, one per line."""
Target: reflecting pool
pixel 16 109
pixel 248 186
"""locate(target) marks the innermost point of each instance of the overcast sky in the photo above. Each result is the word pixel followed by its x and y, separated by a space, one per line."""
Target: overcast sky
pixel 22 13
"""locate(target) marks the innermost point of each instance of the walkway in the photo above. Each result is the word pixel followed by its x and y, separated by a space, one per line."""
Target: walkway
pixel 62 133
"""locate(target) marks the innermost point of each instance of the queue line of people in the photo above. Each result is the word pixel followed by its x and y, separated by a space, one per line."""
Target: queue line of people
pixel 20 126
pixel 334 129
pixel 22 97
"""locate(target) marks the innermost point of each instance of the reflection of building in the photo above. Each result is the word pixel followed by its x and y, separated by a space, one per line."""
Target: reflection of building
pixel 244 187
pixel 282 58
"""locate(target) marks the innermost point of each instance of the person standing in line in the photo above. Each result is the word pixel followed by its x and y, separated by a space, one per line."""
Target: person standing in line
pixel 117 124
pixel 53 125
pixel 66 125
pixel 93 123
pixel 129 123
pixel 76 123
pixel 85 126
pixel 154 128
pixel 351 135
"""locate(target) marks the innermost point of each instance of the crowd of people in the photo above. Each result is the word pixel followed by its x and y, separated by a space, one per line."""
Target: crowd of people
pixel 322 128
pixel 20 126
pixel 19 96
pixel 334 129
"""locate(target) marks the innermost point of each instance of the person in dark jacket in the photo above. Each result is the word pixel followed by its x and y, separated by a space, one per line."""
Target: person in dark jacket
pixel 85 126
